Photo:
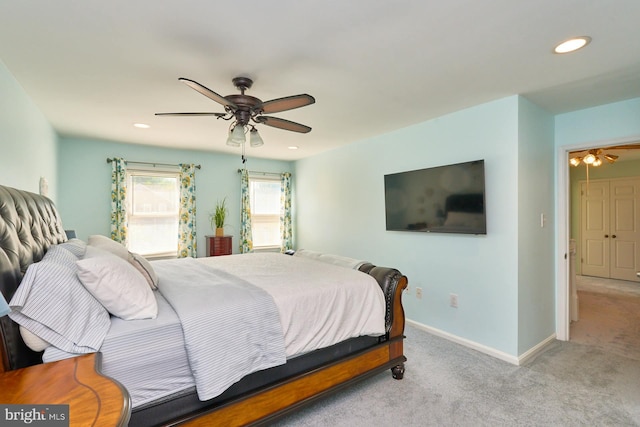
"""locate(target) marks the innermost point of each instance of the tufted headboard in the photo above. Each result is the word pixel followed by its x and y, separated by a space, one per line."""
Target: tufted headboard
pixel 29 224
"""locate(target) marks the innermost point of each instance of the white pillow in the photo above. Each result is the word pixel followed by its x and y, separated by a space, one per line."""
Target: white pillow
pixel 338 260
pixel 116 283
pixel 306 253
pixel 106 244
pixel 33 341
pixel 144 266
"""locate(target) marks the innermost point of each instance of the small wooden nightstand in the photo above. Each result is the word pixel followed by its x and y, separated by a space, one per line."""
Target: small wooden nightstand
pixel 93 399
pixel 219 245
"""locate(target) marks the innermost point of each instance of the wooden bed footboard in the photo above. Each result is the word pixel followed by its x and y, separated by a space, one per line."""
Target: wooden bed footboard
pixel 265 405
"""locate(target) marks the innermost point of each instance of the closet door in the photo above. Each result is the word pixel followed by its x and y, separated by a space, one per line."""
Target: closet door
pixel 610 241
pixel 595 255
pixel 625 233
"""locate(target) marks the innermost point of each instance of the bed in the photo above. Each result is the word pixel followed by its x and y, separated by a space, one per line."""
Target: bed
pixel 296 370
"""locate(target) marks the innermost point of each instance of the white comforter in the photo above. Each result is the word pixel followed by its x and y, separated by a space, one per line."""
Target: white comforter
pixel 230 327
pixel 319 304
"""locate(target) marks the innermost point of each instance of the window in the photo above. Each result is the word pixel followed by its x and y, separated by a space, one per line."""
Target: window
pixel 152 207
pixel 265 212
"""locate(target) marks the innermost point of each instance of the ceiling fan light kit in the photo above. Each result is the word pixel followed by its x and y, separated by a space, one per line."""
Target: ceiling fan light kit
pixel 244 109
pixel 255 140
pixel 589 158
pixel 236 136
pixel 592 158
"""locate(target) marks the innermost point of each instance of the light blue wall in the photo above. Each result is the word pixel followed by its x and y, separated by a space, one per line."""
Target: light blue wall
pixel 27 140
pixel 599 124
pixel 85 183
pixel 536 287
pixel 340 200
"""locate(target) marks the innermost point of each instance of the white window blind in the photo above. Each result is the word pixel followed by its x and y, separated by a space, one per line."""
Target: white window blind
pixel 153 199
pixel 265 212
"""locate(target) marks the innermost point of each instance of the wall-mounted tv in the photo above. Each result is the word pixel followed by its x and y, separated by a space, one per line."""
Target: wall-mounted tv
pixel 442 199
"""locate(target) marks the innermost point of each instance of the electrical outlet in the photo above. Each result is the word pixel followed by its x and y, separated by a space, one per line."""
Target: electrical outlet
pixel 453 300
pixel 419 293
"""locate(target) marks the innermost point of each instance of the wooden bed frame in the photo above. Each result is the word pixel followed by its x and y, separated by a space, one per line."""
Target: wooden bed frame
pixel 29 224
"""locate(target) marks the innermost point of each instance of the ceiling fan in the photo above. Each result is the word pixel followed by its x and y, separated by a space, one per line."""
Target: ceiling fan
pixel 595 156
pixel 244 109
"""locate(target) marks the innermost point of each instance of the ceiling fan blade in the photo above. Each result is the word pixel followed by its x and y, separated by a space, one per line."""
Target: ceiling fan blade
pixel 286 103
pixel 283 124
pixel 611 158
pixel 208 93
pixel 191 114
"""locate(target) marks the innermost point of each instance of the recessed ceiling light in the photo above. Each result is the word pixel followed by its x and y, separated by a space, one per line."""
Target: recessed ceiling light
pixel 141 125
pixel 293 147
pixel 572 45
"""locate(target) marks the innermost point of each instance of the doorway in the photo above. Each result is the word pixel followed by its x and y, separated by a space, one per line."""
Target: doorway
pixel 564 222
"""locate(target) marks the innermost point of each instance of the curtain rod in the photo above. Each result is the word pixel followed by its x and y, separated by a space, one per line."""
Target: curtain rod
pixel 261 173
pixel 154 164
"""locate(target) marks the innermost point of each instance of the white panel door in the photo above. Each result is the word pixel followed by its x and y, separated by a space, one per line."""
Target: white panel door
pixel 595 256
pixel 610 243
pixel 625 229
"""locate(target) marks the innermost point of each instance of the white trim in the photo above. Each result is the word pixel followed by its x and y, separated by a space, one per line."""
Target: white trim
pixel 562 246
pixel 563 227
pixel 514 360
pixel 535 350
pixel 266 249
pixel 465 342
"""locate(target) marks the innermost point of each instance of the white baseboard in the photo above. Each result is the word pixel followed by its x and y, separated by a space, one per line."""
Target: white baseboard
pixel 514 360
pixel 535 350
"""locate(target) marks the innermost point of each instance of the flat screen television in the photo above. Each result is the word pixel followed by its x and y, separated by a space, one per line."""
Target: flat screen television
pixel 442 199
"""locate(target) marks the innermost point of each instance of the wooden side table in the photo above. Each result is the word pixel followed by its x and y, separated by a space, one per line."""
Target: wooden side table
pixel 219 245
pixel 93 399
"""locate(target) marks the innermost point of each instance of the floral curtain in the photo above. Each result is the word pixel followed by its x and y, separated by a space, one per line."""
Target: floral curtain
pixel 187 217
pixel 119 223
pixel 246 238
pixel 286 233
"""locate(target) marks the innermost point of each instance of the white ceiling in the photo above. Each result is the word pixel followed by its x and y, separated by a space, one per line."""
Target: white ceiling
pixel 96 67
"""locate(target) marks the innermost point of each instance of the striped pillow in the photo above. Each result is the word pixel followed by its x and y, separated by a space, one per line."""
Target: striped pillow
pixel 52 303
pixel 75 246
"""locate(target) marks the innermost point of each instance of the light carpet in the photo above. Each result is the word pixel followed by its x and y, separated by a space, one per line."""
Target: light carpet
pixel 607 286
pixel 446 384
pixel 608 321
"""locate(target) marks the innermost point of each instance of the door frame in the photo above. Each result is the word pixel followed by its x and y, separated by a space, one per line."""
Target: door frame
pixel 563 221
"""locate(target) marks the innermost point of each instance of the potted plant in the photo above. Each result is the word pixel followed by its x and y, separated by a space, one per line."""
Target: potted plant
pixel 218 217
